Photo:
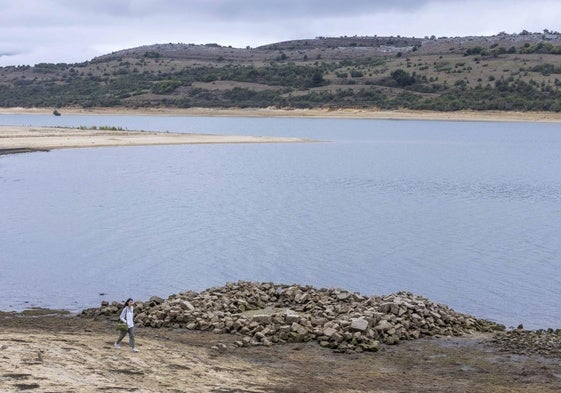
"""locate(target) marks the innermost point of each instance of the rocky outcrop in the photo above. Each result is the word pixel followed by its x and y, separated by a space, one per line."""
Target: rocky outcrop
pixel 268 314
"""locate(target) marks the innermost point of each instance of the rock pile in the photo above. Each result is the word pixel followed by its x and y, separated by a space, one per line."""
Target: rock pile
pixel 530 342
pixel 267 314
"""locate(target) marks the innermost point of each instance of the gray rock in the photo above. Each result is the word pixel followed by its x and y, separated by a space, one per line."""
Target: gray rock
pixel 383 325
pixel 329 332
pixel 156 300
pixel 360 324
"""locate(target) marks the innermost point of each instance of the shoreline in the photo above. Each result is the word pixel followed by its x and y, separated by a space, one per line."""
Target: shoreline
pixel 266 337
pixel 61 352
pixel 25 139
pixel 499 116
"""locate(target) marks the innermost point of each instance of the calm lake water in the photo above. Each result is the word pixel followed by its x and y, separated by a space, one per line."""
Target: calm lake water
pixel 465 213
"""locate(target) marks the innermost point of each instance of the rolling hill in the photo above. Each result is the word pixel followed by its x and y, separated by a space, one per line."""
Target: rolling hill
pixel 500 72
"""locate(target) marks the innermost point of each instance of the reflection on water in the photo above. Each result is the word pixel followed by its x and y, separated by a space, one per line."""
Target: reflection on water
pixel 467 214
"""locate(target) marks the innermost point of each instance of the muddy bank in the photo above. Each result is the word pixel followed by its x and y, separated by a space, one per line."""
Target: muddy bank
pixel 56 352
pixel 20 150
pixel 266 337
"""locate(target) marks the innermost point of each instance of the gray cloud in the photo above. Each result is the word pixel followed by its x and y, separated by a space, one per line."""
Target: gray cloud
pixel 307 9
pixel 226 9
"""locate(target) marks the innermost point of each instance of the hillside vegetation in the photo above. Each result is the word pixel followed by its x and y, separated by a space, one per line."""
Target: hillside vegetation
pixel 501 72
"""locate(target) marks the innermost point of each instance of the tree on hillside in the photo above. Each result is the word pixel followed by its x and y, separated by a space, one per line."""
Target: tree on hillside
pixel 402 78
pixel 317 79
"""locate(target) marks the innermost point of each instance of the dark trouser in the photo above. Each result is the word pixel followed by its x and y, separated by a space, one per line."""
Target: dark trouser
pixel 131 336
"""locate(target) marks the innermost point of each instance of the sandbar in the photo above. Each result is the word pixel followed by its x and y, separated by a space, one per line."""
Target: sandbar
pixel 14 139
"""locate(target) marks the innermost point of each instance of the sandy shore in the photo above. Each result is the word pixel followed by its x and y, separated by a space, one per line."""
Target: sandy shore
pixel 15 139
pixel 312 113
pixel 63 353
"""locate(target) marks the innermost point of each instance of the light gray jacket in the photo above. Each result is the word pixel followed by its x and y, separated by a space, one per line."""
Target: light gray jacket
pixel 127 316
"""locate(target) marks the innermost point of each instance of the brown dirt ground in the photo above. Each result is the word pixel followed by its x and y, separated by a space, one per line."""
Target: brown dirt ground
pixel 61 353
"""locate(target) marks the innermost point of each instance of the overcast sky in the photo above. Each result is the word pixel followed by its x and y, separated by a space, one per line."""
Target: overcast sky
pixel 70 31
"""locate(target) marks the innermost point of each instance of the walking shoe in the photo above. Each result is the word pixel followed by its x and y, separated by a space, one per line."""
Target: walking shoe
pixel 116 345
pixel 135 350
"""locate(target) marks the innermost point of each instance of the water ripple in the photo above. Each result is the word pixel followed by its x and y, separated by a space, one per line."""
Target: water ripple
pixel 470 217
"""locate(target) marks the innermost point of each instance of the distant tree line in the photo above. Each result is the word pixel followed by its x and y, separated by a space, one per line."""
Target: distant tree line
pixel 527 48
